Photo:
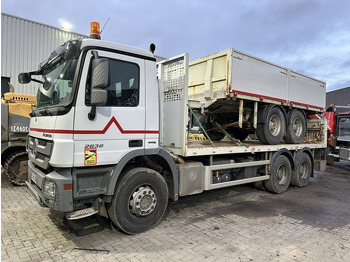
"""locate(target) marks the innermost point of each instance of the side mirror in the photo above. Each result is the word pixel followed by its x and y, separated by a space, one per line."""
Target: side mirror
pixel 24 78
pixel 100 73
pixel 99 81
pixel 98 97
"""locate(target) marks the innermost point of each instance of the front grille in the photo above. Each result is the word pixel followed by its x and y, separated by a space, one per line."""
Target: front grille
pixel 39 151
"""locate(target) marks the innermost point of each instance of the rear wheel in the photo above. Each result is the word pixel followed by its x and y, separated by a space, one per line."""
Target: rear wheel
pixel 215 135
pixel 140 201
pixel 301 176
pixel 271 129
pixel 280 175
pixel 296 128
pixel 238 133
pixel 213 132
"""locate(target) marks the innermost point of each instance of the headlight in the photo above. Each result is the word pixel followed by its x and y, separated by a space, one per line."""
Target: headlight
pixel 49 189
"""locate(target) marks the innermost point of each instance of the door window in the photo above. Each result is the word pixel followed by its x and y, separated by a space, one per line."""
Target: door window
pixel 124 84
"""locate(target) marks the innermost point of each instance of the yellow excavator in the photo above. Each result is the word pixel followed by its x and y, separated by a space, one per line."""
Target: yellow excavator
pixel 15 110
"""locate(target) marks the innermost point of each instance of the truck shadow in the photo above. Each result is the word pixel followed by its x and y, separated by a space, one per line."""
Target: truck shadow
pixel 321 204
pixel 309 206
pixel 96 223
pixel 81 227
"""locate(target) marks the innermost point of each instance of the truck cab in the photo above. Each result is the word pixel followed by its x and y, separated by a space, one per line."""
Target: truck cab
pixel 97 107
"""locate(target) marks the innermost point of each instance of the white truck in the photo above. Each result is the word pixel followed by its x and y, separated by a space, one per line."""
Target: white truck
pixel 118 134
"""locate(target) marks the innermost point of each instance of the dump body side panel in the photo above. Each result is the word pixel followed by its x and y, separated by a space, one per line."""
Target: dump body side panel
pixel 256 77
pixel 306 91
pixel 236 74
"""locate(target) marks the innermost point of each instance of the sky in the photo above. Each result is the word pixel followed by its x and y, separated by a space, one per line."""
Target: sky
pixel 309 36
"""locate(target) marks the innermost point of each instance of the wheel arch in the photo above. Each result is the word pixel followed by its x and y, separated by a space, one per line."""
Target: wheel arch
pixel 165 161
pixel 286 153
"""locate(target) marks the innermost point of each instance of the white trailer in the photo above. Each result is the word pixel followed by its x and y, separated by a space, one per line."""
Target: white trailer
pixel 119 143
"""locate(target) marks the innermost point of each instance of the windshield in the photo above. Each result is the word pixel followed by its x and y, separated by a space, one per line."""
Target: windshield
pixel 57 77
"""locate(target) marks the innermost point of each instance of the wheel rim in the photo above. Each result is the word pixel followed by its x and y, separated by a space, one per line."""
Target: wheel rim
pixel 142 201
pixel 297 127
pixel 281 175
pixel 275 125
pixel 303 170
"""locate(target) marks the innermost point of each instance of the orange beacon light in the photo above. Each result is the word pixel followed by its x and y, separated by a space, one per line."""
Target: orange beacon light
pixel 95 30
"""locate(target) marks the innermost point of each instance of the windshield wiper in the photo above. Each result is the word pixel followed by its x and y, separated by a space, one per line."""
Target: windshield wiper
pixel 47 112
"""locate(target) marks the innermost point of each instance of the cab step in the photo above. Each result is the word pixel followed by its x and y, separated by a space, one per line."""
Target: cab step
pixel 81 213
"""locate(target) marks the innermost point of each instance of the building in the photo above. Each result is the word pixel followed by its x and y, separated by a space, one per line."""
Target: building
pixel 340 97
pixel 24 44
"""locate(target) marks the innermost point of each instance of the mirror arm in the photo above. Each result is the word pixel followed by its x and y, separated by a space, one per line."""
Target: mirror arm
pixel 38 81
pixel 39 72
pixel 95 54
pixel 92 113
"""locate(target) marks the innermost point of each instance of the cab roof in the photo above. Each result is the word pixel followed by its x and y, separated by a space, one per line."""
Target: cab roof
pixel 124 49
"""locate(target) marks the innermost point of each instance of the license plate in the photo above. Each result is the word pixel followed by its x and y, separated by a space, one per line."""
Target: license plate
pixel 34 178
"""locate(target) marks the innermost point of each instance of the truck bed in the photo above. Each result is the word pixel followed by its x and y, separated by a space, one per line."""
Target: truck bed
pixel 200 148
pixel 315 138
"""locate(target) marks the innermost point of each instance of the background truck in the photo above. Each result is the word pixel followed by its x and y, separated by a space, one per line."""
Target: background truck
pixel 108 138
pixel 15 110
pixel 338 132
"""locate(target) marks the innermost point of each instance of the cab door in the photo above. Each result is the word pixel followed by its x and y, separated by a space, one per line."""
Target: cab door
pixel 118 127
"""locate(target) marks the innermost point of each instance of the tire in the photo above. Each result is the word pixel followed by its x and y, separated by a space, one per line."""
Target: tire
pixel 280 175
pixel 238 133
pixel 132 216
pixel 215 135
pixel 260 134
pixel 301 176
pixel 259 185
pixel 296 128
pixel 272 129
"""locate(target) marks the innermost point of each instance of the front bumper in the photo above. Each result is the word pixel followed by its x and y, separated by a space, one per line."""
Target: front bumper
pixel 63 199
pixel 36 193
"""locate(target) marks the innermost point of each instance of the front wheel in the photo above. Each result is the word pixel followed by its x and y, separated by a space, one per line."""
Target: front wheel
pixel 140 201
pixel 272 124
